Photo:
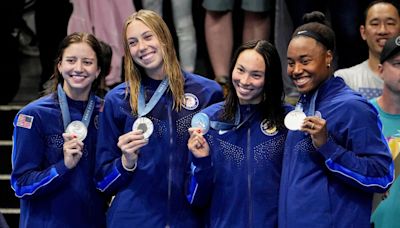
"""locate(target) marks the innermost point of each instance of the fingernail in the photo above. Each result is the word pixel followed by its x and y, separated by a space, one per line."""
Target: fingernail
pixel 199 131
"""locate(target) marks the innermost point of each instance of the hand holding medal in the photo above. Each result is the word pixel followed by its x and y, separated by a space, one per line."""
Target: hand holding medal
pixel 72 150
pixel 316 127
pixel 197 144
pixel 130 144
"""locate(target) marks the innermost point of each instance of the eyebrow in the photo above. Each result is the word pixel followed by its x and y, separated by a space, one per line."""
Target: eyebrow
pixel 143 34
pixel 300 57
pixel 75 57
pixel 253 71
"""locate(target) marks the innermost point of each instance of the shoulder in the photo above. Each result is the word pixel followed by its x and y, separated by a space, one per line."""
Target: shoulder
pixel 214 110
pixel 351 71
pixel 117 92
pixel 44 108
pixel 47 102
pixel 353 104
pixel 198 80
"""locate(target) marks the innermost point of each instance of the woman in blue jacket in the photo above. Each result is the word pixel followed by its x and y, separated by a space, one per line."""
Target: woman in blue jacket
pixel 54 143
pixel 336 157
pixel 236 166
pixel 142 152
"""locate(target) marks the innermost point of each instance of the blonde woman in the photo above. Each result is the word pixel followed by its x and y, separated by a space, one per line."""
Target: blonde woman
pixel 143 130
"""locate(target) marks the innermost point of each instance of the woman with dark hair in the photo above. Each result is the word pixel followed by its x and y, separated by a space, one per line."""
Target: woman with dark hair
pixel 335 153
pixel 54 143
pixel 143 130
pixel 236 166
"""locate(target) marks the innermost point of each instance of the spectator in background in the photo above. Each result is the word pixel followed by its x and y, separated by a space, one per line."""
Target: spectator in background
pixel 11 32
pixel 104 19
pixel 382 21
pixel 54 143
pixel 388 106
pixel 219 30
pixel 105 69
pixel 335 154
pixel 345 18
pixel 3 222
pixel 185 31
pixel 47 14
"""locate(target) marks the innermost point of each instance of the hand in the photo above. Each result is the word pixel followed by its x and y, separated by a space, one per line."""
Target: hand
pixel 72 149
pixel 197 144
pixel 130 143
pixel 316 127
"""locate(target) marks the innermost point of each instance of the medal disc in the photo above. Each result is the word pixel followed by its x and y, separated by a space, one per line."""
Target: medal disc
pixel 144 124
pixel 201 120
pixel 294 119
pixel 77 128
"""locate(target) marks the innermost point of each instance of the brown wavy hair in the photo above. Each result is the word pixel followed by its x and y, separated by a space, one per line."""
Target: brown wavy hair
pixel 73 38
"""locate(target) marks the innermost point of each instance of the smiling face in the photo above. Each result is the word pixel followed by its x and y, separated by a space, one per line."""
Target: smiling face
pixel 382 22
pixel 307 63
pixel 145 49
pixel 248 77
pixel 78 67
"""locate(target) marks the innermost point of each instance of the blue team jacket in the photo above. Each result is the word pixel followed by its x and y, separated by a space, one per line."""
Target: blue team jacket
pixel 239 181
pixel 333 186
pixel 51 195
pixel 153 194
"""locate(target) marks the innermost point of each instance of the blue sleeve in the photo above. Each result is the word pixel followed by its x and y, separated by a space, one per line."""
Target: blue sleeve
pixel 200 186
pixel 110 174
pixel 30 177
pixel 357 152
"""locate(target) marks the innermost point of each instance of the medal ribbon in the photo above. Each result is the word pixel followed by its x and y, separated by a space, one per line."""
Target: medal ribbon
pixel 62 98
pixel 311 108
pixel 144 108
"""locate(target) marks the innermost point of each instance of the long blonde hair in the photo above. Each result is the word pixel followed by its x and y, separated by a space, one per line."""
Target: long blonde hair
pixel 170 61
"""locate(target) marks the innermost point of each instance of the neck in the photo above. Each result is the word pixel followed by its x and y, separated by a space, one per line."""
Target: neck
pixel 77 95
pixel 156 74
pixel 373 63
pixel 251 102
pixel 389 101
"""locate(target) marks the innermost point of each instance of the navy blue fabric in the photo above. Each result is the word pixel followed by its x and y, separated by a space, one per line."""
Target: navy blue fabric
pixel 239 181
pixel 153 194
pixel 332 186
pixel 51 195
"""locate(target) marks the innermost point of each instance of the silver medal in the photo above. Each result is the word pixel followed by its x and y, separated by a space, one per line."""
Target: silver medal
pixel 77 128
pixel 294 119
pixel 201 120
pixel 144 124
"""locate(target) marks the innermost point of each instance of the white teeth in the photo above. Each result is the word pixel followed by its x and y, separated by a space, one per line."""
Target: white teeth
pixel 301 81
pixel 244 90
pixel 382 42
pixel 146 56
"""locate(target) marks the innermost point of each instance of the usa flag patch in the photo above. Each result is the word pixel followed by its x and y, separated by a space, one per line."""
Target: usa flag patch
pixel 25 121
